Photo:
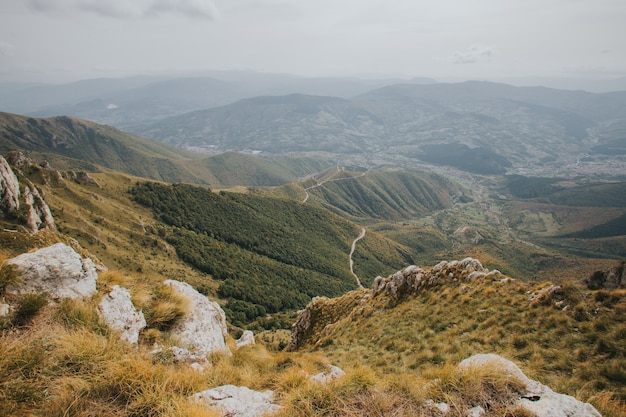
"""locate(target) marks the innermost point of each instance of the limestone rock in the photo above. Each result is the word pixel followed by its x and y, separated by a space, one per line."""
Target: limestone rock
pixel 413 279
pixel 5 309
pixel 117 310
pixel 83 177
pixel 539 399
pixel 56 270
pixel 39 215
pixel 333 372
pixel 238 401
pixel 9 188
pixel 202 331
pixel 246 339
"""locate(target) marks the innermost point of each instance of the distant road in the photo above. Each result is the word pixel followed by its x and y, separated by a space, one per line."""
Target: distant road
pixel 361 236
pixel 319 184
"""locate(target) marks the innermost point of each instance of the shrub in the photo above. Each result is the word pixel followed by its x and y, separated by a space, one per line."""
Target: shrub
pixel 28 308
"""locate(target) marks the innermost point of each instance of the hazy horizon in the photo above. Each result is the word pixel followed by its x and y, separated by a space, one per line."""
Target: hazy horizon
pixel 59 41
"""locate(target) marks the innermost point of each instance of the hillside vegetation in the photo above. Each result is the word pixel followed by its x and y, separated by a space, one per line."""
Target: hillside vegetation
pixel 270 254
pixel 567 335
pixel 73 144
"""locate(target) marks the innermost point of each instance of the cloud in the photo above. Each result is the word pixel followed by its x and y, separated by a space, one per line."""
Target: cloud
pixel 473 54
pixel 204 9
pixel 6 49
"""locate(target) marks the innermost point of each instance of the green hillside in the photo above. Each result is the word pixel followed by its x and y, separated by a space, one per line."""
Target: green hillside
pixel 389 195
pixel 270 254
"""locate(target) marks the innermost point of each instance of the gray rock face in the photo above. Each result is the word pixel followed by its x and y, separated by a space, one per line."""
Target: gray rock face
pixel 238 401
pixel 119 313
pixel 202 331
pixel 539 399
pixel 56 270
pixel 9 188
pixel 39 215
pixel 246 339
pixel 413 279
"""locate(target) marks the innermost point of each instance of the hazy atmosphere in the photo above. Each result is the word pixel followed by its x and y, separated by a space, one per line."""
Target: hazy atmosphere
pixel 65 40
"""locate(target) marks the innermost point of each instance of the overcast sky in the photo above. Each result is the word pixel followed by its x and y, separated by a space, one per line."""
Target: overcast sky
pixel 63 40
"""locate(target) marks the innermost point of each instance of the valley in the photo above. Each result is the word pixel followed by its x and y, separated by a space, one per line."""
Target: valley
pixel 300 207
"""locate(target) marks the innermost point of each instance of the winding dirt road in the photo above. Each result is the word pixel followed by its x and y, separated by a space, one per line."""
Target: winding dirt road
pixel 361 236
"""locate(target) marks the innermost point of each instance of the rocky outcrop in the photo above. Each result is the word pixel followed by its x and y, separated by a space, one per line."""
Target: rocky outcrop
pixel 203 329
pixel 9 188
pixel 246 339
pixel 413 279
pixel 321 311
pixel 611 279
pixel 236 401
pixel 56 270
pixel 538 399
pixel 19 161
pixel 39 214
pixel 116 309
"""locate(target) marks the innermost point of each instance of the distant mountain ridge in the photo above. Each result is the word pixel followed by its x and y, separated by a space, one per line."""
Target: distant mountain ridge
pixel 503 126
pixel 74 144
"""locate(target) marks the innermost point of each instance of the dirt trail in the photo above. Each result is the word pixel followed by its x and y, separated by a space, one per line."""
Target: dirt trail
pixel 361 236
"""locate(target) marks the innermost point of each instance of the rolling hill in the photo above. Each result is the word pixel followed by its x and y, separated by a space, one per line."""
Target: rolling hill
pixel 492 125
pixel 75 144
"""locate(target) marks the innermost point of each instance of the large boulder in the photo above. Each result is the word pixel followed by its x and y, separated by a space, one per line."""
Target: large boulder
pixel 57 270
pixel 203 329
pixel 117 310
pixel 611 279
pixel 538 399
pixel 236 401
pixel 9 188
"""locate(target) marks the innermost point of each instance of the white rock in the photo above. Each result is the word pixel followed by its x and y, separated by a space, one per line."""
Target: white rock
pixel 39 215
pixel 9 187
pixel 539 399
pixel 117 310
pixel 246 339
pixel 203 329
pixel 5 309
pixel 56 270
pixel 477 411
pixel 238 401
pixel 333 372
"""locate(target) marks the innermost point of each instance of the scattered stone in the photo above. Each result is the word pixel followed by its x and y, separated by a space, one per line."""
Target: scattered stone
pixel 538 399
pixel 9 188
pixel 333 373
pixel 236 401
pixel 56 270
pixel 203 330
pixel 83 177
pixel 441 408
pixel 117 310
pixel 5 309
pixel 246 339
pixel 477 411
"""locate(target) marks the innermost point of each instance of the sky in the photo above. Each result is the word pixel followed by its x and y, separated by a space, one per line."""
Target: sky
pixel 65 40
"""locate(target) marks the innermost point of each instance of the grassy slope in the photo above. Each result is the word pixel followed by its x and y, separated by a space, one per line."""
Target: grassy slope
pixel 576 350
